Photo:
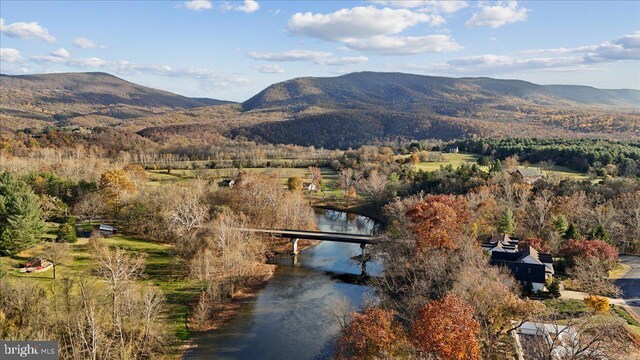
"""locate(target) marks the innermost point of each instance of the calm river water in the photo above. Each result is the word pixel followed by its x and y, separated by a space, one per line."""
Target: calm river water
pixel 291 317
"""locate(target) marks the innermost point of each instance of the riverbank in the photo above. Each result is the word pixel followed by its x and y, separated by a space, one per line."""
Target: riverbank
pixel 222 314
pixel 366 210
pixel 298 304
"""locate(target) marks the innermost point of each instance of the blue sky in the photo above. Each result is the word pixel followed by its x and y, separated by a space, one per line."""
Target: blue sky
pixel 231 50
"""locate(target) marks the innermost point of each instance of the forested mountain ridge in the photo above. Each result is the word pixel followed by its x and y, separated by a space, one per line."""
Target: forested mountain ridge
pixel 52 98
pixel 409 92
pixel 331 112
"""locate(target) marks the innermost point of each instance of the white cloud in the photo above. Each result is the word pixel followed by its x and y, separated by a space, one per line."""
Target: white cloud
pixel 23 30
pixel 198 5
pixel 208 77
pixel 84 43
pixel 505 62
pixel 404 45
pixel 269 69
pixel 293 55
pixel 12 56
pixel 92 62
pixel 583 58
pixel 500 14
pixel 435 6
pixel 370 29
pixel 340 61
pixel 43 59
pixel 357 23
pixel 249 6
pixel 62 53
pixel 626 47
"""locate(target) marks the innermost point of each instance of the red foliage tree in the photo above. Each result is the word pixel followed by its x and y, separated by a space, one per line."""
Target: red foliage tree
pixel 446 328
pixel 536 243
pixel 440 220
pixel 373 334
pixel 573 249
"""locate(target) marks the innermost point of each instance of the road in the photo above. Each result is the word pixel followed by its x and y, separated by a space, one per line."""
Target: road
pixel 630 283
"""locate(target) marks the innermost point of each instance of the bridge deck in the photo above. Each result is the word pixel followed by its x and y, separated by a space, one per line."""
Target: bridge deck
pixel 318 235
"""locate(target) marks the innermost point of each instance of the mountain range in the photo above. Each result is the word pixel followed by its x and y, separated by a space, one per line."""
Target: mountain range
pixel 334 112
pixel 409 92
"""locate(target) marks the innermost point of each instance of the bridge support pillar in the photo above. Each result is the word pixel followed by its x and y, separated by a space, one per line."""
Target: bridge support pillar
pixel 363 257
pixel 294 243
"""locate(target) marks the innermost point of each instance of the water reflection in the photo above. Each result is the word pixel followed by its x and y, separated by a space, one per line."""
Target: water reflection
pixel 292 317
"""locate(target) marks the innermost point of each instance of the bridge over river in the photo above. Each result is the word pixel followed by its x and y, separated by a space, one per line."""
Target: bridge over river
pixel 295 235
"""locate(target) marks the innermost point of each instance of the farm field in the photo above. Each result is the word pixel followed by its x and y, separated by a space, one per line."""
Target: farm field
pixel 464 158
pixel 329 176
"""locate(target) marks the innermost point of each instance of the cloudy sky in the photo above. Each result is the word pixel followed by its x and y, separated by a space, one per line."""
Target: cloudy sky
pixel 231 50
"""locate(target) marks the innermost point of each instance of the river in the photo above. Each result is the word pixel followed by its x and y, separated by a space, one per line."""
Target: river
pixel 292 317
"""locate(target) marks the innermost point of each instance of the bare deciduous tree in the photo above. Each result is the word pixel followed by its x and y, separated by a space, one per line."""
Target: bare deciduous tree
pixel 57 253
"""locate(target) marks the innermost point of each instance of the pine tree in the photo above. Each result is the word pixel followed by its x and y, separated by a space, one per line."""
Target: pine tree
pixel 507 224
pixel 67 231
pixel 21 223
pixel 560 224
pixel 572 233
pixel 599 233
pixel 496 166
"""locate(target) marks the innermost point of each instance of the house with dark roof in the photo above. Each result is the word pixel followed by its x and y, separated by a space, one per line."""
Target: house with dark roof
pixel 528 175
pixel 528 266
pixel 501 243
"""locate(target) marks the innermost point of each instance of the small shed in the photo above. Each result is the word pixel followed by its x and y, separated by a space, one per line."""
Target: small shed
pixel 107 230
pixel 309 186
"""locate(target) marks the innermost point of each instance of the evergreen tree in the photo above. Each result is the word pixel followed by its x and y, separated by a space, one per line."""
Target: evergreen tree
pixel 572 233
pixel 21 223
pixel 67 231
pixel 554 288
pixel 599 233
pixel 496 166
pixel 560 224
pixel 507 224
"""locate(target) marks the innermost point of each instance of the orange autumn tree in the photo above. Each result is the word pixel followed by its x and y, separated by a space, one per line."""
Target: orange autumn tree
pixel 440 221
pixel 446 328
pixel 115 184
pixel 373 334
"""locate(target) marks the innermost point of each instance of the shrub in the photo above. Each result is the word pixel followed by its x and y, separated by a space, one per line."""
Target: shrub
pixel 599 249
pixel 554 288
pixel 597 303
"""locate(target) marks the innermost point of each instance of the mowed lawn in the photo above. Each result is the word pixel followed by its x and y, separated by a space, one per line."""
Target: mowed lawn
pixel 463 158
pixel 161 270
pixel 448 159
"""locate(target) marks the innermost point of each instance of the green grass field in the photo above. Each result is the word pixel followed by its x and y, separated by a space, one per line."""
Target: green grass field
pixel 329 175
pixel 463 158
pixel 161 270
pixel 449 159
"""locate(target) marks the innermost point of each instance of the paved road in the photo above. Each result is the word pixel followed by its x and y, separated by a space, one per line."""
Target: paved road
pixel 630 283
